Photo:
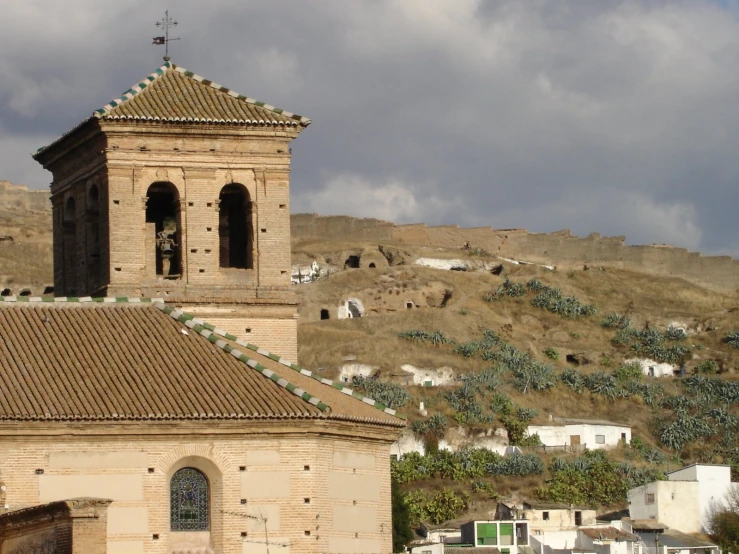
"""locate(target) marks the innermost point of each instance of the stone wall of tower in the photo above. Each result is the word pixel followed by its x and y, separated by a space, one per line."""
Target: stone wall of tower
pixel 111 250
pixel 80 232
pixel 199 162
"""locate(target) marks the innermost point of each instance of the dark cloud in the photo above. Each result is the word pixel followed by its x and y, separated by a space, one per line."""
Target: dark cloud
pixel 616 117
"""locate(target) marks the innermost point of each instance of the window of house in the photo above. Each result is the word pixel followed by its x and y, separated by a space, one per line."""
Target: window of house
pixel 188 497
pixel 578 518
pixel 650 498
pixel 545 516
pixel 506 534
pixel 600 439
pixel 487 534
pixel 623 436
pixel 522 533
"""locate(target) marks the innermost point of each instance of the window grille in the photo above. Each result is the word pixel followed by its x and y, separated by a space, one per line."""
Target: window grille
pixel 188 501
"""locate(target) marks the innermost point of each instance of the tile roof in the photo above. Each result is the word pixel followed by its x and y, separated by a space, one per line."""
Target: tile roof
pixel 173 93
pixel 90 359
pixel 176 95
pixel 338 395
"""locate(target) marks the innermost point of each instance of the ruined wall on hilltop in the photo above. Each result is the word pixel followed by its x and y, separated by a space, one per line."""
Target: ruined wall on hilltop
pixel 20 197
pixel 561 248
pixel 304 226
pixel 719 273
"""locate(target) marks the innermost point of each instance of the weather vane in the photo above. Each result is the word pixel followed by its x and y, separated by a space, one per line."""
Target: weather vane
pixel 165 23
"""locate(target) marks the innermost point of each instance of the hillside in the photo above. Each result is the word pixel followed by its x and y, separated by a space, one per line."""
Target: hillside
pixel 25 239
pixel 577 361
pixel 504 344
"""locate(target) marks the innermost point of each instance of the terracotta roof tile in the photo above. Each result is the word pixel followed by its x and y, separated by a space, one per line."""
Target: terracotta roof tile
pixel 344 401
pixel 108 359
pixel 173 93
pixel 126 362
pixel 177 95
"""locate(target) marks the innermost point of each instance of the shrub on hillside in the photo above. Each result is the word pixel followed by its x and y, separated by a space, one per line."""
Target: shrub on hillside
pixel 628 372
pixel 591 479
pixel 572 379
pixel 732 339
pixel 603 384
pixel 553 300
pixel 707 367
pixel 435 337
pixel 615 321
pixel 390 394
pixel 652 343
pixel 435 508
pixel 518 465
pixel 509 288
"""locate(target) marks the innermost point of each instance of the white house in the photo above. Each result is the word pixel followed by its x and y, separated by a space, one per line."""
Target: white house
pixel 599 539
pixel 684 502
pixel 590 433
pixel 547 516
pixel 304 274
pixel 657 538
pixel 652 368
pixel 427 548
pixel 429 377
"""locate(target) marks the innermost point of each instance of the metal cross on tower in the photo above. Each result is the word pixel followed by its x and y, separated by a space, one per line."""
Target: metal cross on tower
pixel 165 23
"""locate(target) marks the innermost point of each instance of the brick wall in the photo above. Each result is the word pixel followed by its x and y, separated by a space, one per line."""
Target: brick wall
pixel 304 481
pixel 76 526
pixel 109 249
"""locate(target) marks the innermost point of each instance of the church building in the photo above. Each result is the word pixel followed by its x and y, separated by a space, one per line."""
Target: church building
pixel 159 379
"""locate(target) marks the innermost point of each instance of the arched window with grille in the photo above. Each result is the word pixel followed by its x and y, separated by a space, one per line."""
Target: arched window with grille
pixel 188 501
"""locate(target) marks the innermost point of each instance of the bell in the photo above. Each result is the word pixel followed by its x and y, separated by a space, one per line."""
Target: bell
pixel 167 251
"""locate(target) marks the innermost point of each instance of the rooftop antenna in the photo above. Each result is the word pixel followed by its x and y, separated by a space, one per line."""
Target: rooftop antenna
pixel 165 23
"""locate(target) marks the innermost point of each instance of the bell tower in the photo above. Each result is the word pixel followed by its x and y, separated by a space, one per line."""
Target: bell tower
pixel 180 189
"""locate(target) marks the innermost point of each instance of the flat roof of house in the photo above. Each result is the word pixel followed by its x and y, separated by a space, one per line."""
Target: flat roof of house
pixel 675 539
pixel 577 421
pixel 471 550
pixel 647 525
pixel 609 534
pixel 697 464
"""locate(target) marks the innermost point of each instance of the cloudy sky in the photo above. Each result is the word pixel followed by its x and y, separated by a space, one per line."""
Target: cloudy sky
pixel 620 117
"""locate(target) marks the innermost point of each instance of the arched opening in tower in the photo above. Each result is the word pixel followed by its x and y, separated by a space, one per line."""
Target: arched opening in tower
pixel 235 227
pixel 163 229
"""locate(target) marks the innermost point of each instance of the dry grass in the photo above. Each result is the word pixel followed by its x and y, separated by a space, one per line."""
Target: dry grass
pixel 27 259
pixel 649 300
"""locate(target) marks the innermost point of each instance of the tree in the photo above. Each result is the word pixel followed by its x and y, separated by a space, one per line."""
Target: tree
pixel 402 533
pixel 724 522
